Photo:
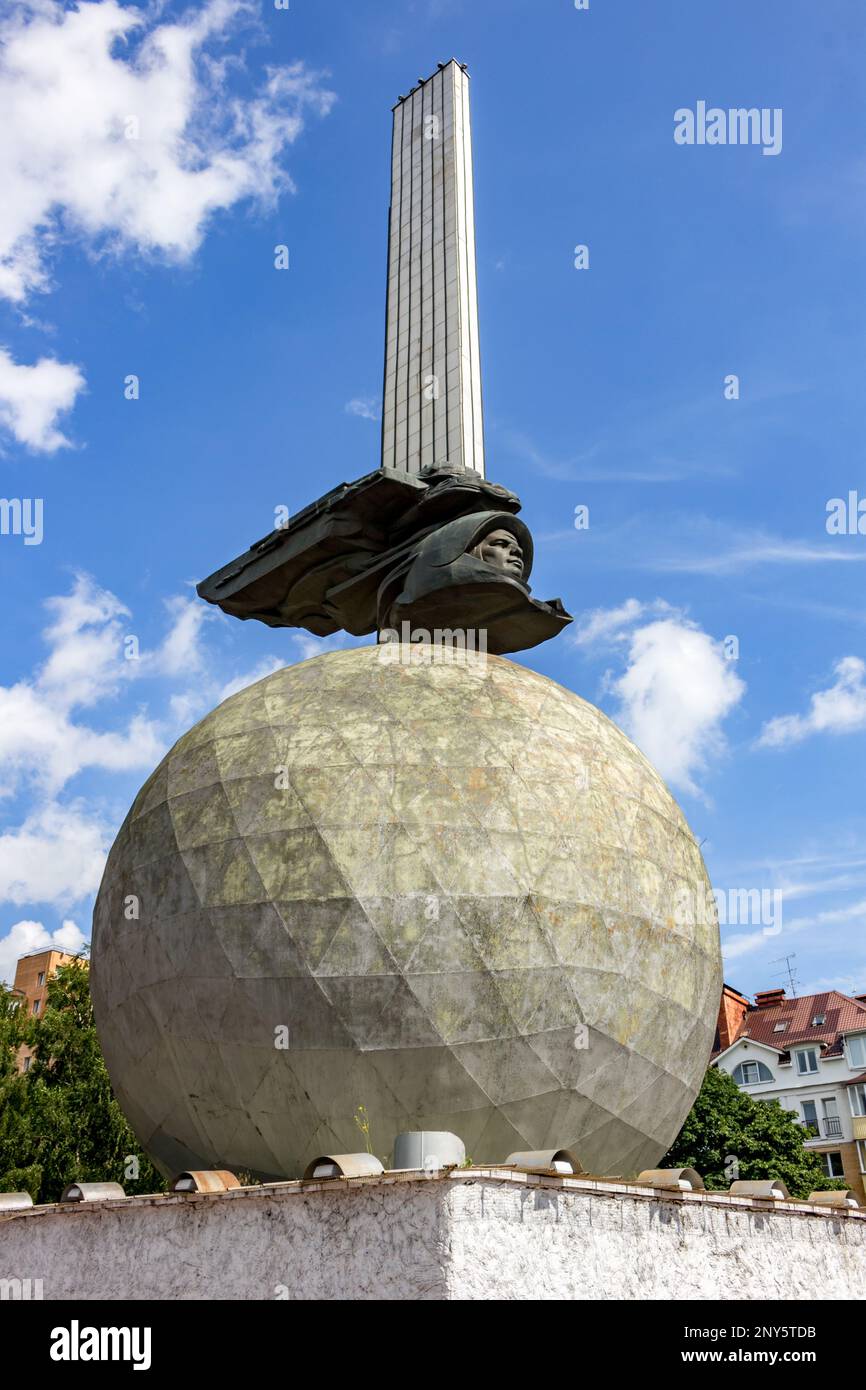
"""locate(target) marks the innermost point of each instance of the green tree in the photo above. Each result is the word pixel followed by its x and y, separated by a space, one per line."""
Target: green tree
pixel 62 1123
pixel 16 1173
pixel 765 1140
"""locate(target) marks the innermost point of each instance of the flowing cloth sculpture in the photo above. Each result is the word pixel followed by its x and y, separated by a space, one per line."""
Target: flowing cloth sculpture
pixel 392 548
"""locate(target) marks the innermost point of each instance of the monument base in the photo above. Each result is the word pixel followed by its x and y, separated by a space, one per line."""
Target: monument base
pixel 468 1234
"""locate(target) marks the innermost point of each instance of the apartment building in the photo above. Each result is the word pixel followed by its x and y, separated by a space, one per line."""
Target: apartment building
pixel 32 974
pixel 809 1054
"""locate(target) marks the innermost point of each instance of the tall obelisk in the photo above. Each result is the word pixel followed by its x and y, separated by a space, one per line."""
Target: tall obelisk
pixel 432 388
pixel 404 542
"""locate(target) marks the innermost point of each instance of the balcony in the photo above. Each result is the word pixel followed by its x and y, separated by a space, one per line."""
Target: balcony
pixel 832 1127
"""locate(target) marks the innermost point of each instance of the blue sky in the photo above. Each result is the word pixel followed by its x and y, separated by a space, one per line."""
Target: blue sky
pixel 604 387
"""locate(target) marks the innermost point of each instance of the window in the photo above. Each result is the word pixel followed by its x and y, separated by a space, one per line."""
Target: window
pixel 779 1027
pixel 40 979
pixel 857 1096
pixel 833 1165
pixel 819 1020
pixel 807 1061
pixel 832 1123
pixel 856 1051
pixel 751 1073
pixel 27 1061
pixel 36 1003
pixel 861 1154
pixel 810 1114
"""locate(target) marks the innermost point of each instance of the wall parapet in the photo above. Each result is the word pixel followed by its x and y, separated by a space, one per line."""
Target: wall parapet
pixel 468 1233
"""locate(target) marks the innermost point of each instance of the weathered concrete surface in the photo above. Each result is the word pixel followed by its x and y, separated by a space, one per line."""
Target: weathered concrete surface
pixel 474 1235
pixel 450 892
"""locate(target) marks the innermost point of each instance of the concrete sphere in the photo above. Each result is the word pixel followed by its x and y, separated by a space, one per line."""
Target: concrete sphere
pixel 453 893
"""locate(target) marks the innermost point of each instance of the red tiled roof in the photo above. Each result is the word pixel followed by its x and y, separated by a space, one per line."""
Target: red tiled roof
pixel 842 1015
pixel 855 1080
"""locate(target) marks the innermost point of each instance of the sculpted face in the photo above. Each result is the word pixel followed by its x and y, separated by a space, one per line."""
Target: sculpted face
pixel 501 550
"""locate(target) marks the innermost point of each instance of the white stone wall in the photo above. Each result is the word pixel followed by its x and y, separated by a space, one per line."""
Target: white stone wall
pixel 547 1244
pixel 474 1235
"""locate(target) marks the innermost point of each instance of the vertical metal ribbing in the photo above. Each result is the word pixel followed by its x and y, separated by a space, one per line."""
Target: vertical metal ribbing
pixel 392 299
pixel 424 275
pixel 443 298
pixel 405 252
pixel 432 315
pixel 472 399
pixel 412 374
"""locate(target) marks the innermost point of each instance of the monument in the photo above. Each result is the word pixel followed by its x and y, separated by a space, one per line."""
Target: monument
pixel 441 887
pixel 403 544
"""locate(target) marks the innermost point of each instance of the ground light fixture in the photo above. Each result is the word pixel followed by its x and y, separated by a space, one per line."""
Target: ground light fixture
pixel 205 1180
pixel 343 1166
pixel 545 1161
pixel 675 1179
pixel 92 1192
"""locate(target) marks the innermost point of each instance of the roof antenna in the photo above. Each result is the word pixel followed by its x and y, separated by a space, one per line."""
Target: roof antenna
pixel 789 973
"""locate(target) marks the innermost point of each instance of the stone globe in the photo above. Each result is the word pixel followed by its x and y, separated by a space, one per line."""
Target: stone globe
pixel 441 888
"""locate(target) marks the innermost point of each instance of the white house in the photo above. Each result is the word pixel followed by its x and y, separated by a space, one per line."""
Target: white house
pixel 810 1055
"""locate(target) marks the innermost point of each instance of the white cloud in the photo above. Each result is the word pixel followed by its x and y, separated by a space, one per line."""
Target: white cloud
pixel 54 852
pixel 123 131
pixel 32 399
pixel 84 638
pixel 57 852
pixel 837 884
pixel 676 691
pixel 595 463
pixel 841 709
pixel 43 740
pixel 677 687
pixel 814 860
pixel 606 625
pixel 307 645
pixel 27 936
pixel 746 942
pixel 41 743
pixel 187 706
pixel 55 723
pixel 845 984
pixel 190 705
pixel 181 652
pixel 367 407
pixel 747 550
pixel 56 856
pixel 266 667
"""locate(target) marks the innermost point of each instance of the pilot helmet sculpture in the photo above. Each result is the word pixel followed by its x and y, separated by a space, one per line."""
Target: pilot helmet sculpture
pixel 478 566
